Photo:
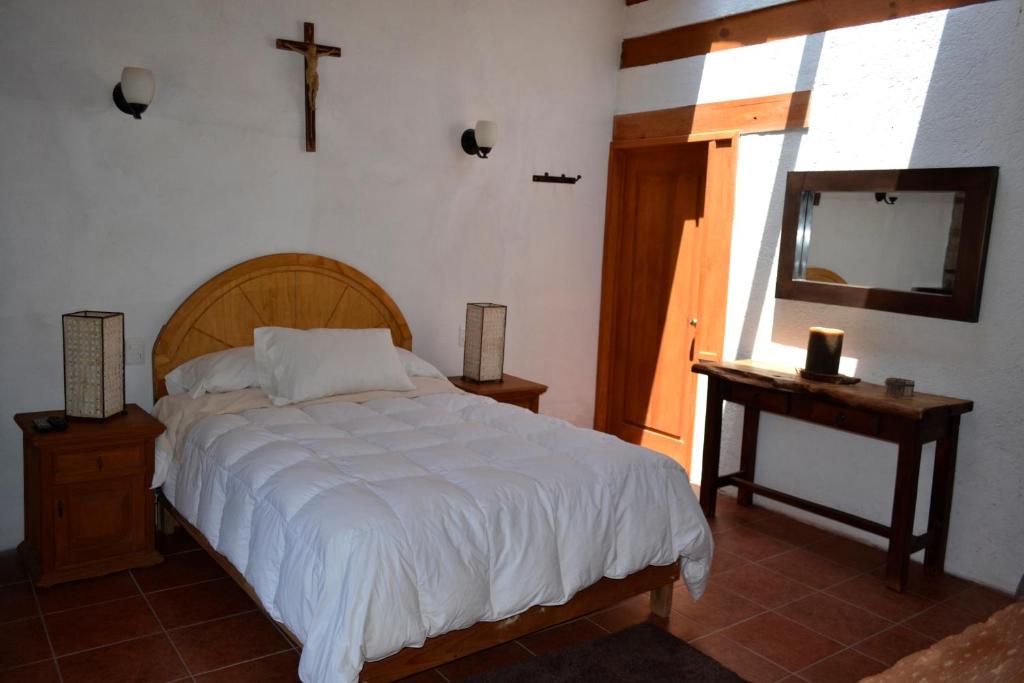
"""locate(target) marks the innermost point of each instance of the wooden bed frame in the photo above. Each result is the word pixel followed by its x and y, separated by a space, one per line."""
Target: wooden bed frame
pixel 307 291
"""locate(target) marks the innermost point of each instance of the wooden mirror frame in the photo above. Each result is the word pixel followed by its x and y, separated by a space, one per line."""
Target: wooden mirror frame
pixel 978 185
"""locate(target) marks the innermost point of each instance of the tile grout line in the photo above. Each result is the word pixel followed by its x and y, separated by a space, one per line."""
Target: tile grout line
pixel 127 597
pixel 244 661
pixel 823 591
pixel 204 622
pixel 147 635
pixel 46 631
pixel 163 630
pixel 814 590
pixel 183 585
pixel 744 648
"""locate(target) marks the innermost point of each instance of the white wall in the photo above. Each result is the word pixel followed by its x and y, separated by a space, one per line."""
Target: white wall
pixel 940 89
pixel 100 211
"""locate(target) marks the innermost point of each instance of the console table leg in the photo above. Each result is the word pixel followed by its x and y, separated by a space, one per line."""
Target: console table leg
pixel 748 452
pixel 908 467
pixel 712 449
pixel 943 475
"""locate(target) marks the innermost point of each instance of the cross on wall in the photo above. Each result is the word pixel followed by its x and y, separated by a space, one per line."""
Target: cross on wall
pixel 311 53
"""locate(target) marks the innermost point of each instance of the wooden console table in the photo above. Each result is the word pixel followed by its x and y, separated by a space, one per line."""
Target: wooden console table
pixel 860 408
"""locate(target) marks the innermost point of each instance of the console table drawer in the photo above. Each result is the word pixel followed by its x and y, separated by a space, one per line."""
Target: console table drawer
pixel 848 419
pixel 762 399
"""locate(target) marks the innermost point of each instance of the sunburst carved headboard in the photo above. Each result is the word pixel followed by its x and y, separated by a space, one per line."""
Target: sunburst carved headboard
pixel 283 290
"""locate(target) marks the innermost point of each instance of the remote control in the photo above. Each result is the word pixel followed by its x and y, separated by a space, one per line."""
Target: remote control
pixel 42 425
pixel 58 422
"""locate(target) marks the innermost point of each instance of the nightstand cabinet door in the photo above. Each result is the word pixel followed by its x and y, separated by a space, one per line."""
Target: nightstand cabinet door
pixel 99 519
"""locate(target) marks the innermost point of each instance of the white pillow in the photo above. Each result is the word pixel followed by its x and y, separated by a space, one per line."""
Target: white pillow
pixel 215 373
pixel 299 365
pixel 416 366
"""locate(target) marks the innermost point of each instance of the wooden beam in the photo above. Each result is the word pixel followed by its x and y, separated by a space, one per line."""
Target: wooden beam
pixel 797 18
pixel 754 115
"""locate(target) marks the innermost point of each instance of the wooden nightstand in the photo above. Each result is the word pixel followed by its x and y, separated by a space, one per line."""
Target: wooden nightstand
pixel 511 389
pixel 88 506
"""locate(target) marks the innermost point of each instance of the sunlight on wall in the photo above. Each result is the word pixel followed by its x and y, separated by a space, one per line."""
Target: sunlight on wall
pixel 850 101
pixel 872 83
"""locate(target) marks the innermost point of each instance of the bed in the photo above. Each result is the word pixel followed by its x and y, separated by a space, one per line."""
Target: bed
pixel 392 532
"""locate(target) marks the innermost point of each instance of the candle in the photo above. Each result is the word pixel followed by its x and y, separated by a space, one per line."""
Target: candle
pixel 824 347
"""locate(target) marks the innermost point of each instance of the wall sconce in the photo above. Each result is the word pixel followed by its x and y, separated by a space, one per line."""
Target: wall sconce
pixel 135 91
pixel 479 141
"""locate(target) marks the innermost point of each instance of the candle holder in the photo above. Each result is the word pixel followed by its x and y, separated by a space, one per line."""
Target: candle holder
pixel 824 349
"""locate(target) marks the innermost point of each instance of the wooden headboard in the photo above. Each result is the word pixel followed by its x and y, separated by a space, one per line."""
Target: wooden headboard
pixel 282 290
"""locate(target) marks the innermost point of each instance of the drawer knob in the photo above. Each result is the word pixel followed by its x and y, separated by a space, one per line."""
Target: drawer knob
pixel 60 508
pixel 99 463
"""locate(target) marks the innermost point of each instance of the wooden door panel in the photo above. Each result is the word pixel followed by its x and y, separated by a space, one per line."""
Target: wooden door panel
pixel 97 519
pixel 652 389
pixel 657 379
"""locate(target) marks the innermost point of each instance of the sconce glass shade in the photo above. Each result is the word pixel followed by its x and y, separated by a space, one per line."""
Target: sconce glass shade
pixel 137 85
pixel 486 134
pixel 134 92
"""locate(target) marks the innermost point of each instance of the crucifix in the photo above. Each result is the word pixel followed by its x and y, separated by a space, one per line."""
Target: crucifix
pixel 311 53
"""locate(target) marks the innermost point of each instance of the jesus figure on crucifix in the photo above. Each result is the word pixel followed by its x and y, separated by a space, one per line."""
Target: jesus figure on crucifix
pixel 312 54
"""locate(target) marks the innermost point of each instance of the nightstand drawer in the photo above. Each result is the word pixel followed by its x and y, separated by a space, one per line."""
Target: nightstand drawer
pixel 97 463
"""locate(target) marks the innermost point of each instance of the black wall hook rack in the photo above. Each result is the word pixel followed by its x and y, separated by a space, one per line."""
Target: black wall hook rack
pixel 548 178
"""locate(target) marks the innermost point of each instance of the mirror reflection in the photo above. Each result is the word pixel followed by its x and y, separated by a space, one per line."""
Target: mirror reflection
pixel 903 240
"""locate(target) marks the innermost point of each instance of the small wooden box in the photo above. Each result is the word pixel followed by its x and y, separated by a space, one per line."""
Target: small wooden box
pixel 89 508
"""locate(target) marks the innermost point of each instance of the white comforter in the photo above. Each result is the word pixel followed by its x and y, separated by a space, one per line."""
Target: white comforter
pixel 368 527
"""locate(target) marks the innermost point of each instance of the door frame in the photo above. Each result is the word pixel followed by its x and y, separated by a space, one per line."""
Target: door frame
pixel 713 255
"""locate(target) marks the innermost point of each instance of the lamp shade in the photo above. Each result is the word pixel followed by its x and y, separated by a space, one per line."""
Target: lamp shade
pixel 486 133
pixel 484 356
pixel 93 364
pixel 137 85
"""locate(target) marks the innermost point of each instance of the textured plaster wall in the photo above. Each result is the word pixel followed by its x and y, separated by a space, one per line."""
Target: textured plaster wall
pixel 941 89
pixel 101 211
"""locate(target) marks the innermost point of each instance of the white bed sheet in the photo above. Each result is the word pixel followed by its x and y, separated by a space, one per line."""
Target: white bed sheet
pixel 369 527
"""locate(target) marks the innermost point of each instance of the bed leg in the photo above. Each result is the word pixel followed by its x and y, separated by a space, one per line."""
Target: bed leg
pixel 164 520
pixel 661 600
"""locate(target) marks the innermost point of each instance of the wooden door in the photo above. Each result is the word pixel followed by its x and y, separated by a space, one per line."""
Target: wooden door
pixel 657 258
pixel 99 518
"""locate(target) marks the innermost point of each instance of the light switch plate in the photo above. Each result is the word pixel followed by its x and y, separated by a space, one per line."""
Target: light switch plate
pixel 134 351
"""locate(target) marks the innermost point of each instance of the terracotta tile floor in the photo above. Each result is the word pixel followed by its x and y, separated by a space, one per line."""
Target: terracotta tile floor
pixel 786 601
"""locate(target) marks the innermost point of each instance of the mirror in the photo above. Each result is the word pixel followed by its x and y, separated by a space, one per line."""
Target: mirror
pixel 910 241
pixel 904 241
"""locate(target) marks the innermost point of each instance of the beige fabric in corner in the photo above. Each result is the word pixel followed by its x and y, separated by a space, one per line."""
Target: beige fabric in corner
pixel 992 651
